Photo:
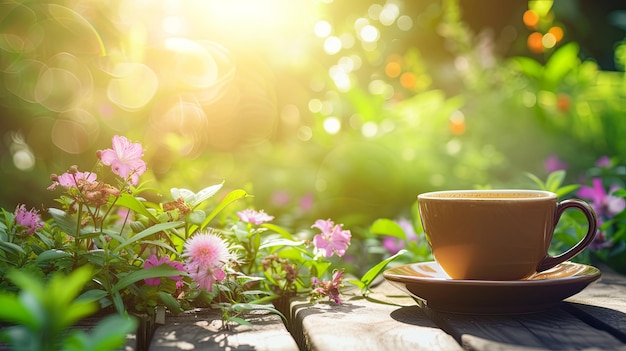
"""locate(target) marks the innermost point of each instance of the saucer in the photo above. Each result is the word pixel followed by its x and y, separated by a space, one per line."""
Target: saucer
pixel 432 288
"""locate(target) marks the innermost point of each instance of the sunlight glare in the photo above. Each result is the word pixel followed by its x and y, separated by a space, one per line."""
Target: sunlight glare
pixel 341 78
pixel 173 25
pixel 332 45
pixel 369 129
pixel 405 23
pixel 389 14
pixel 322 29
pixel 332 125
pixel 369 34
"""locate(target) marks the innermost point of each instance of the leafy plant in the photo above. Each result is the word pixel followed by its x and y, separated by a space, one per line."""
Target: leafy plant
pixel 41 315
pixel 177 253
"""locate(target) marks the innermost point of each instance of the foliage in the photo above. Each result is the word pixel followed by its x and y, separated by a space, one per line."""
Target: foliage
pixel 179 253
pixel 41 315
pixel 353 134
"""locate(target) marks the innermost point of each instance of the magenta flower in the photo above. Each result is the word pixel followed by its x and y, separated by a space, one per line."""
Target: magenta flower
pixel 29 220
pixel 207 253
pixel 332 239
pixel 153 261
pixel 605 205
pixel 255 217
pixel 328 288
pixel 553 164
pixel 124 159
pixel 604 162
pixel 600 240
pixel 393 244
pixel 306 202
pixel 281 198
pixel 72 179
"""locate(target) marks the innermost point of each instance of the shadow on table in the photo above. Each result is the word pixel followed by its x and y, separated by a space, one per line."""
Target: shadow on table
pixel 565 327
pixel 206 331
pixel 412 315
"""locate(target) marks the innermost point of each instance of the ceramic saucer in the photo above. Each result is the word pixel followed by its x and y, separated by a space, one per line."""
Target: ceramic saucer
pixel 432 288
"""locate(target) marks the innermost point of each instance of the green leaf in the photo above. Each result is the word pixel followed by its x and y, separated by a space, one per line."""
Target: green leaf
pixel 541 7
pixel 75 311
pixel 118 302
pixel 66 222
pixel 529 67
pixel 280 242
pixel 181 193
pixel 230 198
pixel 370 275
pixel 110 333
pixel 387 227
pixel 279 230
pixel 14 312
pixel 555 179
pixel 563 60
pixel 92 295
pixel 170 302
pixel 149 231
pixel 131 202
pixel 161 244
pixel 11 247
pixel 27 282
pixel 564 190
pixel 196 217
pixel 240 321
pixel 265 299
pixel 193 200
pixel 52 254
pixel 63 289
pixel 536 180
pixel 240 307
pixel 161 271
pixel 96 257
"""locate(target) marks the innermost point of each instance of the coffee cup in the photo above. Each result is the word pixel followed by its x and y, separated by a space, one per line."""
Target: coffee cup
pixel 497 234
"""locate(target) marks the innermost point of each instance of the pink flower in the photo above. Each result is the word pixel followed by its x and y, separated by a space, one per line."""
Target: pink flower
pixel 553 164
pixel 306 202
pixel 30 220
pixel 604 162
pixel 393 244
pixel 124 159
pixel 72 179
pixel 281 198
pixel 153 261
pixel 333 238
pixel 206 255
pixel 605 205
pixel 254 217
pixel 328 288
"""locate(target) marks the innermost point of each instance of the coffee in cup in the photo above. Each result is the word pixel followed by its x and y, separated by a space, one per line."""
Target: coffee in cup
pixel 497 234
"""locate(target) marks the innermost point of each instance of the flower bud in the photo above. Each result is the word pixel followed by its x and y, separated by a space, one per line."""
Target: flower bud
pixel 137 226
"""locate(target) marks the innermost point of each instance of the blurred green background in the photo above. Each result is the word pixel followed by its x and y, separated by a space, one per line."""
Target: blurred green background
pixel 319 108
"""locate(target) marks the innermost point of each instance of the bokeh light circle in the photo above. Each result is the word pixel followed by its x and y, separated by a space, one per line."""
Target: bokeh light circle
pixel 133 85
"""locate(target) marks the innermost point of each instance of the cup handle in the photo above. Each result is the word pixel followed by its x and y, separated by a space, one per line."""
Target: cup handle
pixel 551 261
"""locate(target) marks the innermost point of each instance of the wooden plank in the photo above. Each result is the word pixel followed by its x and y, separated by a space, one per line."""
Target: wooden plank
pixel 603 304
pixel 362 324
pixel 203 330
pixel 554 329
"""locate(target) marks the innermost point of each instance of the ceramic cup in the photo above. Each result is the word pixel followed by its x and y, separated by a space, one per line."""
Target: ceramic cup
pixel 497 234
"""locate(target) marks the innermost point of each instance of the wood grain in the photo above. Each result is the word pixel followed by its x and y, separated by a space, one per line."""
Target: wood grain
pixel 203 330
pixel 359 324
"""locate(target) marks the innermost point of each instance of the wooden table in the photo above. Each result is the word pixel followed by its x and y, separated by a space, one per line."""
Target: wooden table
pixel 594 319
